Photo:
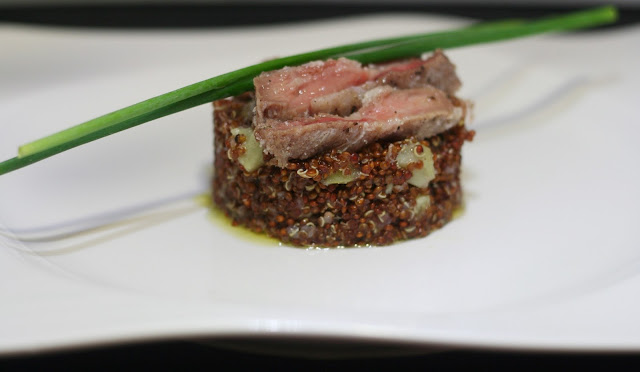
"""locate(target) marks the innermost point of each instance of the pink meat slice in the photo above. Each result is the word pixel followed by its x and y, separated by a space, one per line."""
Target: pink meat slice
pixel 338 104
pixel 288 93
pixel 436 71
pixel 386 114
pixel 337 86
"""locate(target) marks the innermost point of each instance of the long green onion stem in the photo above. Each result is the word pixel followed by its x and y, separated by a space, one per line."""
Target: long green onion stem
pixel 141 112
pixel 241 80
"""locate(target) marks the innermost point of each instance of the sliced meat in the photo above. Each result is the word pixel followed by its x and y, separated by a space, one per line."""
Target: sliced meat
pixel 342 103
pixel 338 104
pixel 436 71
pixel 337 86
pixel 288 93
pixel 386 113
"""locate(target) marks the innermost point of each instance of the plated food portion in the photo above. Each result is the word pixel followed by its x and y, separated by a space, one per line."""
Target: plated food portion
pixel 349 145
pixel 334 153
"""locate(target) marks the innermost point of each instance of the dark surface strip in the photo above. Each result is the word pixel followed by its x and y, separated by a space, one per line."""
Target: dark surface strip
pixel 228 15
pixel 186 356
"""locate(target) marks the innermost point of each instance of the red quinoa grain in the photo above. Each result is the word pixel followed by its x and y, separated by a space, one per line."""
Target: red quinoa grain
pixel 292 204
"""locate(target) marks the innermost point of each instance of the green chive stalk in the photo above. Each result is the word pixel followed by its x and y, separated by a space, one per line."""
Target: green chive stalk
pixel 141 112
pixel 241 80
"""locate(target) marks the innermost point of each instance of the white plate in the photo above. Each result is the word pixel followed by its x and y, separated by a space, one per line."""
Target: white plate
pixel 545 256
